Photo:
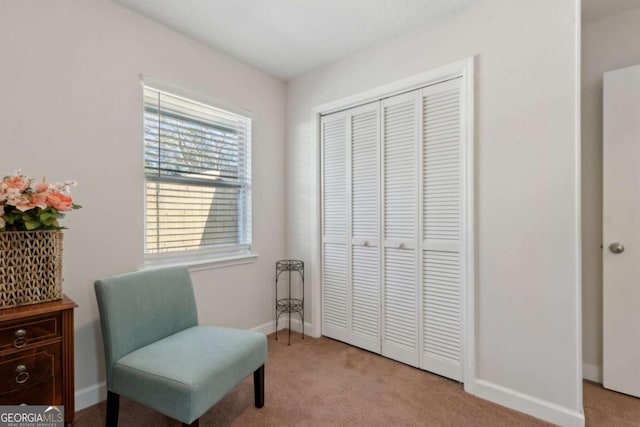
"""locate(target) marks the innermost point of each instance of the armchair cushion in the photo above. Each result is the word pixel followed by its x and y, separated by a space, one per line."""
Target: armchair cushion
pixel 184 374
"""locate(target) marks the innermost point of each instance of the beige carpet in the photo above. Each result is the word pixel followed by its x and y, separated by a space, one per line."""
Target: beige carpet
pixel 608 408
pixel 321 382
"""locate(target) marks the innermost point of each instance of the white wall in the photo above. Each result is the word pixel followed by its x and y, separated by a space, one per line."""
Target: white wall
pixel 607 44
pixel 71 107
pixel 528 292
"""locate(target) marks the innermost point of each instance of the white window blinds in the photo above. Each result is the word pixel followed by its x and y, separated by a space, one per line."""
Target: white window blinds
pixel 197 176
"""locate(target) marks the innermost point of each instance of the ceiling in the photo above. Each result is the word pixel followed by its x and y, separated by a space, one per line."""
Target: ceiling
pixel 286 38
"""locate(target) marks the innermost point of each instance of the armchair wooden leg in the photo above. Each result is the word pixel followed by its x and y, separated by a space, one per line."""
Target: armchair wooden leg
pixel 196 423
pixel 258 386
pixel 113 408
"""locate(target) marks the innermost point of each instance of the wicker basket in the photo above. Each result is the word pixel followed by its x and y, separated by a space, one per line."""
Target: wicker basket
pixel 30 267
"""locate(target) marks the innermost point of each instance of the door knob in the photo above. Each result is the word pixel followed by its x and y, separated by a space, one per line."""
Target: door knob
pixel 616 248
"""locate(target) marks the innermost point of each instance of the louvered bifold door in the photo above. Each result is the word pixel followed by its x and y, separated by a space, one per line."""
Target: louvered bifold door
pixel 365 227
pixel 442 207
pixel 400 134
pixel 335 218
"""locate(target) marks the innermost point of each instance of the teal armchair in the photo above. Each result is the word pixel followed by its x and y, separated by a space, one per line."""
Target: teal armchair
pixel 157 355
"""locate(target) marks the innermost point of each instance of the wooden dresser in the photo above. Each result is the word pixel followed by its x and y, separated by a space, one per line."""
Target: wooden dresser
pixel 36 355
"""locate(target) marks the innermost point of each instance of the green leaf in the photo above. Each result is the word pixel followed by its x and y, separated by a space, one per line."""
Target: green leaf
pixel 31 225
pixel 44 215
pixel 51 222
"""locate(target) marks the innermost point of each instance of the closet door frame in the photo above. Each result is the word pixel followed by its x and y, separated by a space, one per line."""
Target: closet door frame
pixel 463 69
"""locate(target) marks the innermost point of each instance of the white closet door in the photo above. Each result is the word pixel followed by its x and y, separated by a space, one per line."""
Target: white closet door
pixel 393 227
pixel 335 226
pixel 365 225
pixel 400 134
pixel 442 229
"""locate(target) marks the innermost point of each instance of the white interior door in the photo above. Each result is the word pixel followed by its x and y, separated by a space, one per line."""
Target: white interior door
pixel 335 225
pixel 621 231
pixel 400 131
pixel 442 246
pixel 365 226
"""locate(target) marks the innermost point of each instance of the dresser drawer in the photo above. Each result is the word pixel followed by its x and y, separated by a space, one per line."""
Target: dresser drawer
pixel 45 393
pixel 37 340
pixel 29 367
pixel 28 331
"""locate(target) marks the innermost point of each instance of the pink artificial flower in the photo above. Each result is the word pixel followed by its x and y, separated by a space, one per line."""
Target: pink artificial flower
pixel 17 183
pixel 15 197
pixel 41 188
pixel 38 200
pixel 58 201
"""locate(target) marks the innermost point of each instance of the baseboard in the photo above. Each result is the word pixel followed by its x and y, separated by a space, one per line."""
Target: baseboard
pixel 296 325
pixel 530 405
pixel 91 395
pixel 265 328
pixel 592 372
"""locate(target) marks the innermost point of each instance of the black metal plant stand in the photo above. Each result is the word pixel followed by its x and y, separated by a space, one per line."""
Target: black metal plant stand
pixel 289 304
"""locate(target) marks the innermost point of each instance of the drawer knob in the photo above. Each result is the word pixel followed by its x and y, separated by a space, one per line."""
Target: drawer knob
pixel 22 375
pixel 20 338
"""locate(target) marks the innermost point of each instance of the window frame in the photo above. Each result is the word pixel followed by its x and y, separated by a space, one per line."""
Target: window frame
pixel 205 257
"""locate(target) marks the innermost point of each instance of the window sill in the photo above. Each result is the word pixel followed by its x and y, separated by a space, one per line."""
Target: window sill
pixel 197 263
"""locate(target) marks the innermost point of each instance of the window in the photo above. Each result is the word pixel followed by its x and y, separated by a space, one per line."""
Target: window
pixel 197 178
